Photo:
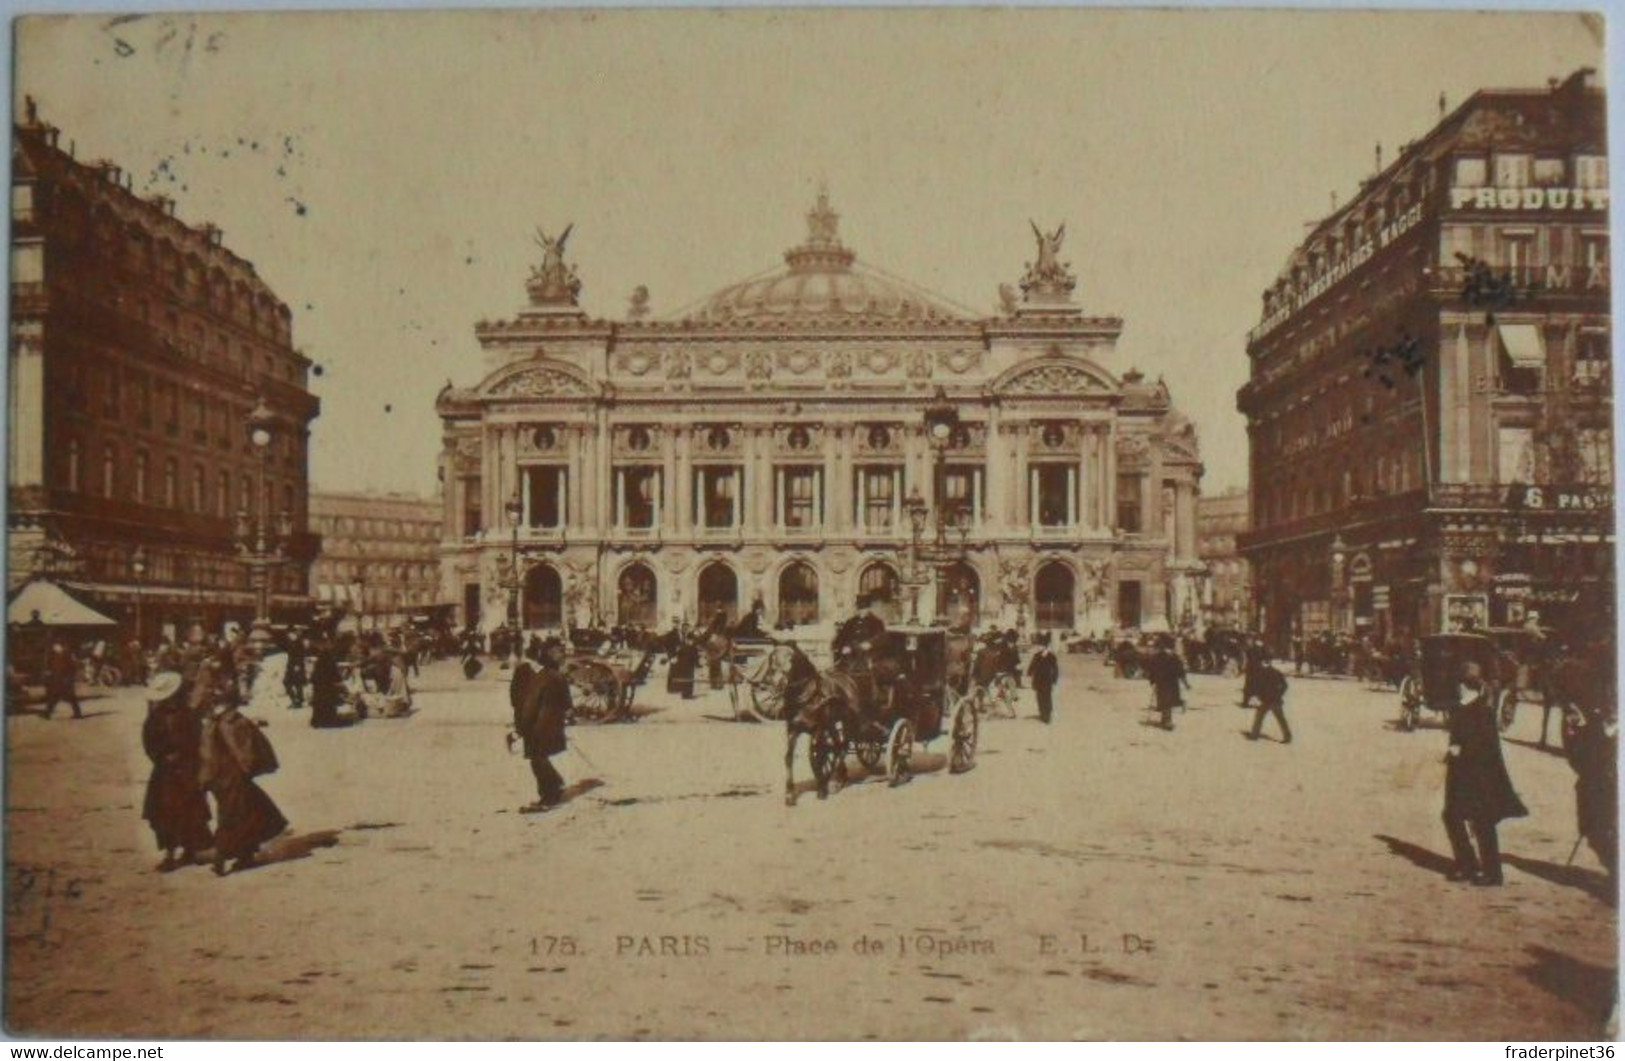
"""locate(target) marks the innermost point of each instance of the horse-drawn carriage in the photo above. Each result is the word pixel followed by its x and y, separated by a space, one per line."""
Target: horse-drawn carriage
pixel 877 703
pixel 604 683
pixel 1435 680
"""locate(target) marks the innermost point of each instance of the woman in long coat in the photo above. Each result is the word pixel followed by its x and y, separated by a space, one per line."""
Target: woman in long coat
pixel 1477 789
pixel 234 752
pixel 175 807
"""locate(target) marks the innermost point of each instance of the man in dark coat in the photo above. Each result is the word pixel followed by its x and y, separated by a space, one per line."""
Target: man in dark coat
pixel 1045 672
pixel 327 692
pixel 684 665
pixel 175 807
pixel 234 751
pixel 538 721
pixel 1254 660
pixel 1477 790
pixel 1269 685
pixel 1166 674
pixel 1594 754
pixel 857 631
pixel 293 677
pixel 61 670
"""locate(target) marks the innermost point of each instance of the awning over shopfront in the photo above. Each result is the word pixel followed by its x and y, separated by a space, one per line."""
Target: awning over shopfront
pixel 1523 345
pixel 51 605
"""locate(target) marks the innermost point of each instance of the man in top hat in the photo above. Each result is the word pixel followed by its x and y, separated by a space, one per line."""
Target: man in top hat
pixel 1477 789
pixel 1166 673
pixel 1045 672
pixel 861 629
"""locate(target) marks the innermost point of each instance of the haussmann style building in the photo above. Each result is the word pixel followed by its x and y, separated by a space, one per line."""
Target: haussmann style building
pixel 380 558
pixel 1430 397
pixel 139 347
pixel 771 445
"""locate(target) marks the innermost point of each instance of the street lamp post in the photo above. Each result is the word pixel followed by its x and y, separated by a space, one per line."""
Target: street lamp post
pixel 515 509
pixel 1339 591
pixel 138 567
pixel 258 549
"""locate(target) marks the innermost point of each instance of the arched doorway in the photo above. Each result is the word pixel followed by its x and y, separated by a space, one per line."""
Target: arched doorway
pixel 959 592
pixel 880 580
pixel 798 594
pixel 636 599
pixel 1055 597
pixel 543 602
pixel 719 591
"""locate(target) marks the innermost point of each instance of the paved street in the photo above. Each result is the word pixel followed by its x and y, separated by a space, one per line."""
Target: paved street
pixel 1226 889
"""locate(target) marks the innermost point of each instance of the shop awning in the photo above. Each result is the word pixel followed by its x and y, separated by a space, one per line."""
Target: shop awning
pixel 1523 345
pixel 52 606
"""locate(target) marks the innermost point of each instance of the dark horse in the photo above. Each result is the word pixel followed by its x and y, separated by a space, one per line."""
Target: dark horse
pixel 818 706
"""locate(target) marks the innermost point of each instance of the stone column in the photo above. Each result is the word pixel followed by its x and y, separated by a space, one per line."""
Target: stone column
pixel 683 486
pixel 668 481
pixel 1021 509
pixel 994 481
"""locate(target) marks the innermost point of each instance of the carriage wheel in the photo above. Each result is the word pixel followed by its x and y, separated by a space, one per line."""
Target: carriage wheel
pixel 824 752
pixel 870 752
pixel 1409 716
pixel 595 698
pixel 965 729
pixel 899 749
pixel 767 701
pixel 1506 709
pixel 110 676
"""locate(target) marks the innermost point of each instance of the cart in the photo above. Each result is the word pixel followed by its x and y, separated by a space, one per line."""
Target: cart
pixel 602 687
pixel 1435 679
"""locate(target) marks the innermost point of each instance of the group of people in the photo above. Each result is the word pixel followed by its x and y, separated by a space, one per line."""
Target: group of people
pixel 202 747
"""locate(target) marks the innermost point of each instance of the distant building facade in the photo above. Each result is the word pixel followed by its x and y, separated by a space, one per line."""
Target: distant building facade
pixel 138 346
pixel 380 558
pixel 1227 589
pixel 1430 398
pixel 770 446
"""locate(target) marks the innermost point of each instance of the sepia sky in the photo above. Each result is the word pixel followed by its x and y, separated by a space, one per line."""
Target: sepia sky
pixel 385 171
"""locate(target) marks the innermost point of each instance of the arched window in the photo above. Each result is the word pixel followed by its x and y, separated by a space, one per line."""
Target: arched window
pixel 718 592
pixel 139 486
pixel 544 597
pixel 879 581
pixel 636 602
pixel 222 496
pixel 798 594
pixel 200 500
pixel 959 594
pixel 1054 591
pixel 109 470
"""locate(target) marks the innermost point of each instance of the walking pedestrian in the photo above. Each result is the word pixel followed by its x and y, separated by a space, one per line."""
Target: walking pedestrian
pixel 1594 754
pixel 538 721
pixel 293 676
pixel 61 672
pixel 235 751
pixel 1270 686
pixel 1045 673
pixel 175 807
pixel 1167 676
pixel 1477 790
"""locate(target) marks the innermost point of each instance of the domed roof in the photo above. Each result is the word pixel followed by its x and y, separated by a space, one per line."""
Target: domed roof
pixel 821 282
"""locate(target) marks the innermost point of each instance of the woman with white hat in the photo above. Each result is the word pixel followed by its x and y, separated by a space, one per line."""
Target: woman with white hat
pixel 175 806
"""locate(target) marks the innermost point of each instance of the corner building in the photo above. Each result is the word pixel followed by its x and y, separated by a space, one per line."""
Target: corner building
pixel 764 446
pixel 139 344
pixel 1430 402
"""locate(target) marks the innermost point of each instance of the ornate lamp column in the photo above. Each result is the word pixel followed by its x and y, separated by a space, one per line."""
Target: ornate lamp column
pixel 915 577
pixel 257 549
pixel 138 567
pixel 1339 589
pixel 515 509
